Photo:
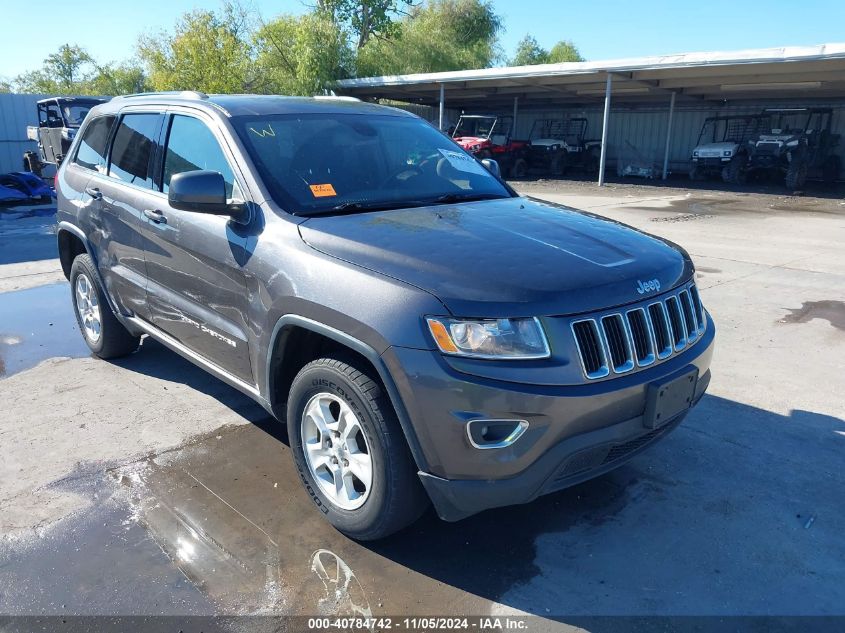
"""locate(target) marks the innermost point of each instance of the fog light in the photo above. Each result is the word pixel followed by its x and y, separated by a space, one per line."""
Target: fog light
pixel 486 434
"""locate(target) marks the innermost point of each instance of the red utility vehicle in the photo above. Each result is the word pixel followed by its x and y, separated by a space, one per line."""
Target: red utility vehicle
pixel 489 136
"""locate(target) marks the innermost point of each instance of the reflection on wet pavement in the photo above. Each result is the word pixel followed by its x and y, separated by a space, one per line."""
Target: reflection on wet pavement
pixel 231 514
pixel 37 324
pixel 27 234
pixel 98 564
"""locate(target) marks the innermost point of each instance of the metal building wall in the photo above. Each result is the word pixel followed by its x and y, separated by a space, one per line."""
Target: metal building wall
pixel 16 112
pixel 645 127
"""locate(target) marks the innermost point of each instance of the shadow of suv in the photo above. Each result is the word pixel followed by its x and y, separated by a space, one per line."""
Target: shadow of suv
pixel 426 334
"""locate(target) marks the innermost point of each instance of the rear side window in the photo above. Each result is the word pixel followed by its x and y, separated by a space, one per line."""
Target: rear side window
pixel 93 144
pixel 190 146
pixel 133 147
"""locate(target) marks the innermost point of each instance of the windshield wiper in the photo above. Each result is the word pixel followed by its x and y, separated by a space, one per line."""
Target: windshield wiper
pixel 352 207
pixel 466 197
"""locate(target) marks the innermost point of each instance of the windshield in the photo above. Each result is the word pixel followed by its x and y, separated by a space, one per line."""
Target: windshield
pixel 75 114
pixel 477 126
pixel 329 162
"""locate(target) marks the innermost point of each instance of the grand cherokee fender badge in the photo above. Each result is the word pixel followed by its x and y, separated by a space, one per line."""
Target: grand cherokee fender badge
pixel 652 285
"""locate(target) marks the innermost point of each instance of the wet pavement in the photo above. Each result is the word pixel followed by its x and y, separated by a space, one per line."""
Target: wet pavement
pixel 831 311
pixel 27 233
pixel 37 324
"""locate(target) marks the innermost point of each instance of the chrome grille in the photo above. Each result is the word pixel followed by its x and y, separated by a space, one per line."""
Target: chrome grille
pixel 618 342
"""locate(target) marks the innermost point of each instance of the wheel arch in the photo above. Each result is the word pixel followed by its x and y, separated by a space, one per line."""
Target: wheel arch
pixel 297 339
pixel 71 242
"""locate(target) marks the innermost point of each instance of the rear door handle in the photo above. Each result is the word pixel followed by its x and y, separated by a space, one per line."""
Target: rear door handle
pixel 156 216
pixel 94 193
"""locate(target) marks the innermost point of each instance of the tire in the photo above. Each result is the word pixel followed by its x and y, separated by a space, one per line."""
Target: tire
pixel 519 169
pixel 485 153
pixel 696 173
pixel 831 168
pixel 342 393
pixel 592 161
pixel 796 175
pixel 735 171
pixel 103 333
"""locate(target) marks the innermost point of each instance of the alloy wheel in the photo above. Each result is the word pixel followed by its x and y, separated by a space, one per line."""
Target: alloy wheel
pixel 336 451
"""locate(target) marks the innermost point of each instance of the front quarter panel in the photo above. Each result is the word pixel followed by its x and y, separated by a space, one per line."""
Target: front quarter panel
pixel 288 277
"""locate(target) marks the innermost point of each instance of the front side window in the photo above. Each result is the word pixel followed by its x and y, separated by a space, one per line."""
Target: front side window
pixel 316 163
pixel 192 146
pixel 93 144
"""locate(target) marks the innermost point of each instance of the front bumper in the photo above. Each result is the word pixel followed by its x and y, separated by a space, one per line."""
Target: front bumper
pixel 711 162
pixel 574 433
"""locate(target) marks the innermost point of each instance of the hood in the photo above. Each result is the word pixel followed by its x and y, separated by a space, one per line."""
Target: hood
pixel 716 149
pixel 510 257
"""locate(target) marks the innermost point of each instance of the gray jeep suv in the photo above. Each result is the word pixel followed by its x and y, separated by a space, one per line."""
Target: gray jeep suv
pixel 428 335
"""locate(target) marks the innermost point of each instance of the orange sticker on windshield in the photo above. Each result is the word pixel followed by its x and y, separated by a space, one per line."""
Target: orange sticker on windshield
pixel 322 191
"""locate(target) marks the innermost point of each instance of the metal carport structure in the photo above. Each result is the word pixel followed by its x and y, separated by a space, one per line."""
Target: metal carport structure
pixel 810 72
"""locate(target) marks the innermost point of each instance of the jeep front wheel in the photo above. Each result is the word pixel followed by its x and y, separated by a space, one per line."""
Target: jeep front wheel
pixel 350 451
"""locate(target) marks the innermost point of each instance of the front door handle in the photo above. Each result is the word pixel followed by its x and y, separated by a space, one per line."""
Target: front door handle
pixel 156 216
pixel 94 193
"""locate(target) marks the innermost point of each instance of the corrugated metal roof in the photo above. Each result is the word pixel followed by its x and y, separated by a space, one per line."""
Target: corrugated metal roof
pixel 746 73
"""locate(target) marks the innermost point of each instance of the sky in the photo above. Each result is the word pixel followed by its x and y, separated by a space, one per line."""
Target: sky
pixel 602 29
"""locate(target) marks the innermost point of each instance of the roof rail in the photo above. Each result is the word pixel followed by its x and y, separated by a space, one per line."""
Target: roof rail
pixel 330 95
pixel 187 94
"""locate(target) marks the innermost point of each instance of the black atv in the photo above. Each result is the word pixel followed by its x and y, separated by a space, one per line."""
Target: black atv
pixel 556 145
pixel 59 119
pixel 799 145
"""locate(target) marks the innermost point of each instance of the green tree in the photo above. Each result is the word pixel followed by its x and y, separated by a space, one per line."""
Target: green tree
pixel 5 85
pixel 529 52
pixel 119 79
pixel 365 19
pixel 67 71
pixel 207 50
pixel 302 55
pixel 440 35
pixel 564 51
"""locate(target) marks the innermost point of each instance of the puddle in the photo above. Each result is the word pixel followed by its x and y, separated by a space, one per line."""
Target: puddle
pixel 27 234
pixel 230 513
pixel 37 324
pixel 831 311
pixel 97 563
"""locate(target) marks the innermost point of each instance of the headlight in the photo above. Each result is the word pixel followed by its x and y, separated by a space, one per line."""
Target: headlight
pixel 489 338
pixel 727 152
pixel 695 154
pixel 793 143
pixel 555 148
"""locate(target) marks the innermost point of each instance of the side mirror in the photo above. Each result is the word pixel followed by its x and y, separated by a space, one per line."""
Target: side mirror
pixel 201 191
pixel 492 166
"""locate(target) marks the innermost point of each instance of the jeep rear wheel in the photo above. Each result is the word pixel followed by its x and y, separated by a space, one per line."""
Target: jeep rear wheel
pixel 350 451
